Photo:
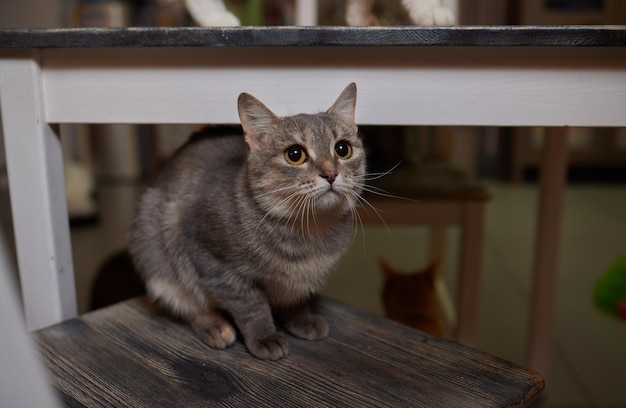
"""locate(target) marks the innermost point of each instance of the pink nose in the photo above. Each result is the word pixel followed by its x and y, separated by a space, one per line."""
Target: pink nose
pixel 329 175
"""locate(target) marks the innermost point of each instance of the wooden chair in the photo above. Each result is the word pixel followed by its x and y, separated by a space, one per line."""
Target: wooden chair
pixel 438 195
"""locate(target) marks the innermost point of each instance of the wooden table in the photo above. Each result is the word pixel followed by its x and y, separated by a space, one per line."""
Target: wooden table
pixel 475 76
pixel 367 361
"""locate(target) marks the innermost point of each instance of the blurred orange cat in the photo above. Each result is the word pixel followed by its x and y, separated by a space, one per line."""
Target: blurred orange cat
pixel 411 299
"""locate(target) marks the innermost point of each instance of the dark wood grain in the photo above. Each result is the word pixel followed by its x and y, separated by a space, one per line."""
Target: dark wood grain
pixel 593 36
pixel 130 355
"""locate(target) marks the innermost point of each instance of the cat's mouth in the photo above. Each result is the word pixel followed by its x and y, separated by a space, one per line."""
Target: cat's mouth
pixel 329 189
pixel 329 196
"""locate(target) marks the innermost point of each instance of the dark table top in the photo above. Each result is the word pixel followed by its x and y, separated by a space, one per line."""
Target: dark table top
pixel 516 36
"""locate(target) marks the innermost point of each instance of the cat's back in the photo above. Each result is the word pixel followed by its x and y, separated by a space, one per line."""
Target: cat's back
pixel 198 181
pixel 212 155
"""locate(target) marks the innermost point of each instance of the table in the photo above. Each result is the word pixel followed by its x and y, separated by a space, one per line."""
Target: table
pixel 475 76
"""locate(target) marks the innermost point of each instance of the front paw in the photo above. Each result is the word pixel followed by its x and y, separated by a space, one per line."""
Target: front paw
pixel 310 327
pixel 218 335
pixel 224 19
pixel 437 16
pixel 272 347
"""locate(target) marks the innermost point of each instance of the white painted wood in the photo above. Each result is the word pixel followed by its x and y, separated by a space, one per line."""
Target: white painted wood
pixel 547 246
pixel 393 88
pixel 436 247
pixel 390 96
pixel 24 383
pixel 447 307
pixel 35 169
pixel 306 12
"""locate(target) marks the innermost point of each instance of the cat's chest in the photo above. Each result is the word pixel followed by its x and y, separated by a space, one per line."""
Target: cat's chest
pixel 294 264
pixel 290 282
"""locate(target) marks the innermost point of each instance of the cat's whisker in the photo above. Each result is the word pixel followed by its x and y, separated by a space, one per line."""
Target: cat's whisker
pixel 302 212
pixel 295 212
pixel 305 215
pixel 376 176
pixel 289 197
pixel 356 218
pixel 308 203
pixel 358 221
pixel 383 193
pixel 313 206
pixel 278 203
pixel 376 211
pixel 278 190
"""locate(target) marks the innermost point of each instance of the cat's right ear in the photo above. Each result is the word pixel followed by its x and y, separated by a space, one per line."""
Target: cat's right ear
pixel 256 119
pixel 345 105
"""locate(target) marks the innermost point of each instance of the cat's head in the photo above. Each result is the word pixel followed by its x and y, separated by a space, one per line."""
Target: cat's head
pixel 303 165
pixel 401 289
pixel 427 275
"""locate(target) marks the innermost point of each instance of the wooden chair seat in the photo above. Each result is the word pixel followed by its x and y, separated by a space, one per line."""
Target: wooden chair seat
pixel 129 354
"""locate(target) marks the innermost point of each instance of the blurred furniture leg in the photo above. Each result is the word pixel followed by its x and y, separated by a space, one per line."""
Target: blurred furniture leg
pixel 548 240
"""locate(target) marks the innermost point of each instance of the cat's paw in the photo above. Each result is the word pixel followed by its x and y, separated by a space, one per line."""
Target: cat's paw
pixel 438 16
pixel 272 347
pixel 219 335
pixel 211 13
pixel 224 19
pixel 311 327
pixel 429 13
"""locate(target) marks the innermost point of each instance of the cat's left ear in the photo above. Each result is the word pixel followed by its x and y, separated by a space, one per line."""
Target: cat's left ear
pixel 345 104
pixel 256 119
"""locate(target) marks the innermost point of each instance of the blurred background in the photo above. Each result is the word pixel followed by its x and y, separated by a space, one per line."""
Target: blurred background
pixel 108 166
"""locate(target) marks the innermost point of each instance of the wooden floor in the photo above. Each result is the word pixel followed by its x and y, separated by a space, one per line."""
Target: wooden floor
pixel 131 355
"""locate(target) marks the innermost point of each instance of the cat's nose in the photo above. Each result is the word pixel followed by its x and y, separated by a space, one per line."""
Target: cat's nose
pixel 329 175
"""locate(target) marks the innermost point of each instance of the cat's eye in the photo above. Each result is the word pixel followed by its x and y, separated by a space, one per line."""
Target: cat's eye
pixel 295 155
pixel 343 150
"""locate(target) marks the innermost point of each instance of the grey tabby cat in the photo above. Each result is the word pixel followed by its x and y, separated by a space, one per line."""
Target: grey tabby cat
pixel 239 227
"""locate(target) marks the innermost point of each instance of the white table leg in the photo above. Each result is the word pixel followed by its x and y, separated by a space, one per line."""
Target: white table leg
pixel 306 12
pixel 37 189
pixel 553 177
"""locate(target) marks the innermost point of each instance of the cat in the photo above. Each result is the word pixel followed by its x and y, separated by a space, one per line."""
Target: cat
pixel 237 228
pixel 211 13
pixel 385 12
pixel 411 299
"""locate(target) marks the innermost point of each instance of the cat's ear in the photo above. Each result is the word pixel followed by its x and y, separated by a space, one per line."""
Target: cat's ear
pixel 345 104
pixel 388 271
pixel 256 119
pixel 431 270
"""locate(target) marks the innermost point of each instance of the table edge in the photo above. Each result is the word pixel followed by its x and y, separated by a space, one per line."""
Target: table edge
pixel 334 36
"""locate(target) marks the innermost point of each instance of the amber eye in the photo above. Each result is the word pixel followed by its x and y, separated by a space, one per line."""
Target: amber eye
pixel 295 155
pixel 343 150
